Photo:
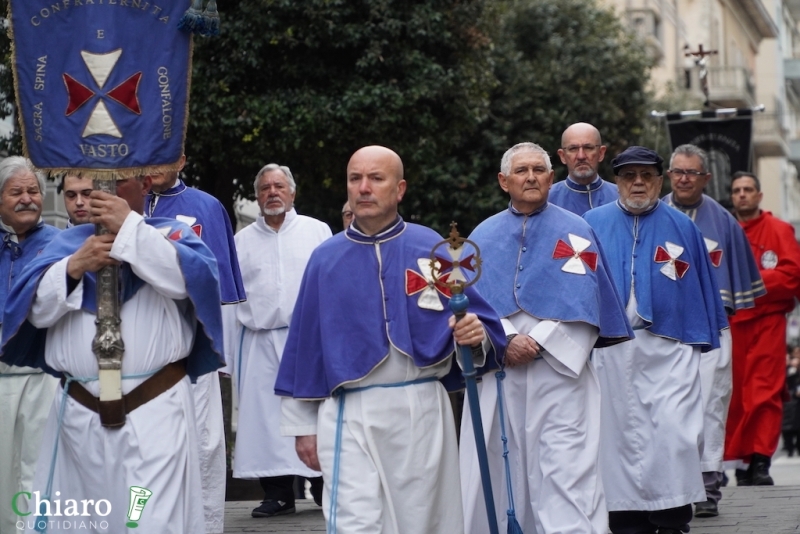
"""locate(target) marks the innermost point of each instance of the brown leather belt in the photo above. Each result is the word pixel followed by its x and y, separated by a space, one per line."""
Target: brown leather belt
pixel 161 381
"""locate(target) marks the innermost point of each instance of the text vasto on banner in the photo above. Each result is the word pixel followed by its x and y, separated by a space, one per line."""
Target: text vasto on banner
pixel 102 85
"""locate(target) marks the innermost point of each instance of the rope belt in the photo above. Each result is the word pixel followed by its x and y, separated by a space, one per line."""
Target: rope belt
pixel 27 373
pixel 342 393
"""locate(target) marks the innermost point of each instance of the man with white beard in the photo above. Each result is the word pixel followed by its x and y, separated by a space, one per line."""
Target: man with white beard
pixel 651 407
pixel 273 253
pixel 26 392
pixel 170 197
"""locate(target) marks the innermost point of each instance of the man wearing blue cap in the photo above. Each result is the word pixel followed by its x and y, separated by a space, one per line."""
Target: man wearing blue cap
pixel 652 411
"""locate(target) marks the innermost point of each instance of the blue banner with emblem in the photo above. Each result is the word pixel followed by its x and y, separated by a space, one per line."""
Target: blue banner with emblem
pixel 102 85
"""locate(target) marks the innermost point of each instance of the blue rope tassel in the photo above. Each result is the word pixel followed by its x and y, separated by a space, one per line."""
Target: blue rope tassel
pixel 192 17
pixel 211 20
pixel 513 524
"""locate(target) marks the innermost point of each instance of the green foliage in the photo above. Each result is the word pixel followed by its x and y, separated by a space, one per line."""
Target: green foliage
pixel 305 84
pixel 566 61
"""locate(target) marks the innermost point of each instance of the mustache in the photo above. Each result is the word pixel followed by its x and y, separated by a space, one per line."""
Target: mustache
pixel 27 207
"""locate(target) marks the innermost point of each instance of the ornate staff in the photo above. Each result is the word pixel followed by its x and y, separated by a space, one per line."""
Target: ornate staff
pixel 457 281
pixel 107 344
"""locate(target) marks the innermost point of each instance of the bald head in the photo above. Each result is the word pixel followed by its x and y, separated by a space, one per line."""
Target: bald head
pixel 582 151
pixel 375 186
pixel 584 130
pixel 379 155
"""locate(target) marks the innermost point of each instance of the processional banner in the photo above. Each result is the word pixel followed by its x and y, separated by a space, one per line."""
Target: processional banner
pixel 102 85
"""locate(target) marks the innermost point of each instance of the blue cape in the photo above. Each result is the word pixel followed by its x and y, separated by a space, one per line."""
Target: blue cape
pixel 737 273
pixel 212 225
pixel 15 256
pixel 23 344
pixel 578 198
pixel 523 271
pixel 688 308
pixel 353 304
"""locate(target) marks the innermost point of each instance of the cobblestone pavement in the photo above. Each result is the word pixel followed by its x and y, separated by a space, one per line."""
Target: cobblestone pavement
pixel 763 510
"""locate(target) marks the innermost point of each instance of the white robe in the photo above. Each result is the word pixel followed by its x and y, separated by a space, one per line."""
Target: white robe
pixel 398 471
pixel 716 383
pixel 25 398
pixel 652 412
pixel 157 447
pixel 272 265
pixel 553 429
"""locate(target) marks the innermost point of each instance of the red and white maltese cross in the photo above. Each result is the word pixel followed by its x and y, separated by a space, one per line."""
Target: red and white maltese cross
pixel 673 268
pixel 578 256
pixel 714 252
pixel 426 286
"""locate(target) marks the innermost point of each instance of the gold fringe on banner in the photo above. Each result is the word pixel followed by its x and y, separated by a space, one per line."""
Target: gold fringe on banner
pixel 111 174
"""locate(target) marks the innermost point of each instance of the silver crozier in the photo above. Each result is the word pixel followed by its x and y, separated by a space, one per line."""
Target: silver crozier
pixel 107 345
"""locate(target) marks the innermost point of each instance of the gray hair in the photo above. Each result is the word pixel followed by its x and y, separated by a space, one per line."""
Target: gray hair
pixel 275 167
pixel 13 165
pixel 689 151
pixel 505 163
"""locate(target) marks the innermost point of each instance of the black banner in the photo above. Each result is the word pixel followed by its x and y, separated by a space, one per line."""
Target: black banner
pixel 727 141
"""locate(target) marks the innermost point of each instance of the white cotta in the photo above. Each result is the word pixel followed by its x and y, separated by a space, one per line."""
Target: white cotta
pixel 25 398
pixel 552 408
pixel 272 265
pixel 157 448
pixel 398 465
pixel 652 411
pixel 211 449
pixel 715 384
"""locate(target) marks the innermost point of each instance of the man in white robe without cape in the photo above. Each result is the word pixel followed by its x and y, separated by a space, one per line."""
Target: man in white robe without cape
pixel 157 446
pixel 273 253
pixel 551 392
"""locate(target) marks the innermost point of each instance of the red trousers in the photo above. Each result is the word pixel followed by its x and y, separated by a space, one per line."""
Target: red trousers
pixel 759 372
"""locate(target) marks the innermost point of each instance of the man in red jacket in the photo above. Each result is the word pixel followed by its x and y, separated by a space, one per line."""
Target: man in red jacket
pixel 759 337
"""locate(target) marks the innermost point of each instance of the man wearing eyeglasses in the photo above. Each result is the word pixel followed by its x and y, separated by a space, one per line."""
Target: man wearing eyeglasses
pixel 347 215
pixel 581 151
pixel 76 198
pixel 759 337
pixel 26 392
pixel 739 284
pixel 651 404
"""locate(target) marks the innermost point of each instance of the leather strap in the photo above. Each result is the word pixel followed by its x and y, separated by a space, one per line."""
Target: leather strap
pixel 148 390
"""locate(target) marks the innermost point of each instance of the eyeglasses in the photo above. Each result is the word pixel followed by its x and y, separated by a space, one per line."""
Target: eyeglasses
pixel 347 214
pixel 691 173
pixel 574 149
pixel 631 175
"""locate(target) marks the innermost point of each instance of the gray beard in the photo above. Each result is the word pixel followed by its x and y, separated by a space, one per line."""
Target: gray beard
pixel 274 211
pixel 638 204
pixel 584 175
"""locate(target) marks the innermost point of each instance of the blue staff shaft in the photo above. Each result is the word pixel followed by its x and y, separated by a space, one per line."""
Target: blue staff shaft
pixel 458 304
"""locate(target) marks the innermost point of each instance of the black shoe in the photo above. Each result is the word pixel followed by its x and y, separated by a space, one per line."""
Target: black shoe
pixel 270 508
pixel 760 467
pixel 743 477
pixel 706 509
pixel 670 531
pixel 724 479
pixel 316 489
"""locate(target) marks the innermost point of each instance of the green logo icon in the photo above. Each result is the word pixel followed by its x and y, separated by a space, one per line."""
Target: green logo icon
pixel 139 498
